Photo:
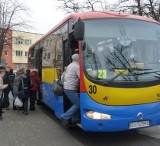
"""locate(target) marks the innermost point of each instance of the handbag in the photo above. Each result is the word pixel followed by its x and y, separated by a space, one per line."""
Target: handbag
pixel 57 87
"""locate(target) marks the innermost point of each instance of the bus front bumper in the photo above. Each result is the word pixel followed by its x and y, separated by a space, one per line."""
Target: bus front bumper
pixel 121 117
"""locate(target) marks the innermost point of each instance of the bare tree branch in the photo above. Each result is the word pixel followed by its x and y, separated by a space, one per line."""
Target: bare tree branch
pixel 149 8
pixel 11 12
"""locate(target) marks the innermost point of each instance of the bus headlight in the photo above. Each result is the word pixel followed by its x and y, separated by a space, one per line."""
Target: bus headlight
pixel 98 116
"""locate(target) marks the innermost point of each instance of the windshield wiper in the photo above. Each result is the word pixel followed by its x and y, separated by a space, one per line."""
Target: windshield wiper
pixel 148 73
pixel 141 69
pixel 138 69
pixel 135 74
pixel 112 79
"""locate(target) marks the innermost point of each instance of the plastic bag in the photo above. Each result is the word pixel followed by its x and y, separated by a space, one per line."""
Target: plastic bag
pixel 18 102
pixel 57 87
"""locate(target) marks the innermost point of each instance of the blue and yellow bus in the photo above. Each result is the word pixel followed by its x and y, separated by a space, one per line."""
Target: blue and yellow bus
pixel 119 68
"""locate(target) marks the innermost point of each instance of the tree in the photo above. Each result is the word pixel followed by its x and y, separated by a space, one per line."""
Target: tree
pixel 11 17
pixel 149 8
pixel 84 5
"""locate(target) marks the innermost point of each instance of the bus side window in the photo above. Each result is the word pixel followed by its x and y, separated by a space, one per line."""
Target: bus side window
pixel 59 60
pixel 65 54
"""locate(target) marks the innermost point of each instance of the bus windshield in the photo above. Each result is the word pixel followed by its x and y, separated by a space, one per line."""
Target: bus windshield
pixel 121 49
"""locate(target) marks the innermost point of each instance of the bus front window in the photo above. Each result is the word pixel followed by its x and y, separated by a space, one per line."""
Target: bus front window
pixel 130 48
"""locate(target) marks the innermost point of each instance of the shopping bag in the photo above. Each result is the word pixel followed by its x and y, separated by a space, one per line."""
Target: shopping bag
pixel 18 102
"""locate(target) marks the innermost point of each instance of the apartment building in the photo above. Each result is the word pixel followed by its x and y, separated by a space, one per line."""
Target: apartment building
pixel 6 57
pixel 21 41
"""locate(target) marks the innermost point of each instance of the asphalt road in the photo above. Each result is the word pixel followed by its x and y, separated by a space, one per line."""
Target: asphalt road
pixel 142 137
pixel 42 128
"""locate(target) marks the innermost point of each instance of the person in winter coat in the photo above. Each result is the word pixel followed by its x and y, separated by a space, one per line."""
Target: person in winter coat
pixel 33 91
pixel 16 85
pixel 6 90
pixel 11 79
pixel 71 87
pixel 2 86
pixel 25 85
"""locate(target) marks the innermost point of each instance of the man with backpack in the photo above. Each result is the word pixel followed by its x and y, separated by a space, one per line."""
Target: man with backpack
pixel 16 85
pixel 24 88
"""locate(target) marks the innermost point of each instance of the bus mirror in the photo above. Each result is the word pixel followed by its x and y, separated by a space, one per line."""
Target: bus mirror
pixel 78 28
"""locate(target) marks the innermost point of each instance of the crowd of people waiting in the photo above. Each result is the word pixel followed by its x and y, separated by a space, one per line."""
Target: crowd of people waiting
pixel 26 82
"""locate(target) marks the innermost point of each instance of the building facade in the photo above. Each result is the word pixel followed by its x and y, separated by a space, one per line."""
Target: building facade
pixel 21 41
pixel 7 50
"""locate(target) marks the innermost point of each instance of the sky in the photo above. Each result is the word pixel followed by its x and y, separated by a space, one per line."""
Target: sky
pixel 43 15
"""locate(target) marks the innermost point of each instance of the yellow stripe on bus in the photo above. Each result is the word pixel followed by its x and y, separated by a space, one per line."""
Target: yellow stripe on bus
pixel 122 96
pixel 49 74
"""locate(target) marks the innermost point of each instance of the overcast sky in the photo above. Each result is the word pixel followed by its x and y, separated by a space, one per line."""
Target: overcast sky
pixel 44 15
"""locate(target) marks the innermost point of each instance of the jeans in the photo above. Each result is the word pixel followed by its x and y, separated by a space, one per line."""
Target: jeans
pixel 73 112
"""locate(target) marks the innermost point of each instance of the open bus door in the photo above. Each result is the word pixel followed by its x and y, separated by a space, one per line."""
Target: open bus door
pixel 59 100
pixel 62 103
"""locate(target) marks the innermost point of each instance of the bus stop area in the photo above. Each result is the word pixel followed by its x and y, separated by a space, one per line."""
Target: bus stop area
pixel 38 128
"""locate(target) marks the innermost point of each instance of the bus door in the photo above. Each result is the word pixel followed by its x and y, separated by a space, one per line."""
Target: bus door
pixel 39 67
pixel 69 47
pixel 58 100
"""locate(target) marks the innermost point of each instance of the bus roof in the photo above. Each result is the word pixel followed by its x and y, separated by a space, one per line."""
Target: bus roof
pixel 95 15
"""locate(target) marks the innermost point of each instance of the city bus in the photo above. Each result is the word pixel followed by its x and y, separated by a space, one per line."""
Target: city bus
pixel 119 69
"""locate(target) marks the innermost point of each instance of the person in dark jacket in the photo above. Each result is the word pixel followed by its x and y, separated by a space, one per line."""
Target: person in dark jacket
pixel 2 87
pixel 11 79
pixel 33 91
pixel 6 90
pixel 25 85
pixel 16 85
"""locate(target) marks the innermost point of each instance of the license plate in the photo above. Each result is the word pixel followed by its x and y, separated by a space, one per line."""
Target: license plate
pixel 141 124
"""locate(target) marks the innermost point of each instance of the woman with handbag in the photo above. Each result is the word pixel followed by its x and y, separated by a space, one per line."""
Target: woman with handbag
pixel 2 86
pixel 16 85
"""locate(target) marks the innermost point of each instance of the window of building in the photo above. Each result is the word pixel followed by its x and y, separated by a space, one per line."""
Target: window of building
pixel 6 53
pixel 24 65
pixel 5 40
pixel 26 53
pixel 19 53
pixel 28 42
pixel 17 66
pixel 19 41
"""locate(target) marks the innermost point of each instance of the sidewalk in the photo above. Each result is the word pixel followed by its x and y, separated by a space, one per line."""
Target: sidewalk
pixel 35 129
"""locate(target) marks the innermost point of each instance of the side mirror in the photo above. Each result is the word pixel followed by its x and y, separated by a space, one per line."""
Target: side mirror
pixel 78 29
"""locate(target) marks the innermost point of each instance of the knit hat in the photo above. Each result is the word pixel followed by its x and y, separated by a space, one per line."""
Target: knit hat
pixel 75 57
pixel 35 70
